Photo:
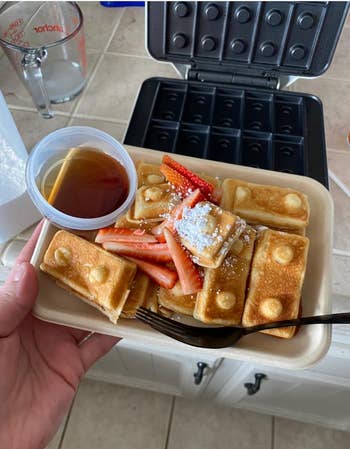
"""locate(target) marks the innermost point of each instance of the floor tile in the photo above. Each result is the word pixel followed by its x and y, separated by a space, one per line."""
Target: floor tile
pixel 341 275
pixel 297 435
pixel 335 97
pixel 32 127
pixel 98 23
pixel 341 218
pixel 16 94
pixel 339 163
pixel 347 22
pixel 107 417
pixel 202 425
pixel 116 130
pixel 113 90
pixel 339 67
pixel 130 35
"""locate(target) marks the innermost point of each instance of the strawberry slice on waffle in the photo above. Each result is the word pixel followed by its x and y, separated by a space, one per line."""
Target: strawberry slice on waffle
pixel 204 186
pixel 190 278
pixel 124 235
pixel 154 252
pixel 182 185
pixel 176 214
pixel 158 273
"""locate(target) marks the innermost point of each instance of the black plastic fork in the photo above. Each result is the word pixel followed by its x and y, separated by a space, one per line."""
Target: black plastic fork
pixel 223 337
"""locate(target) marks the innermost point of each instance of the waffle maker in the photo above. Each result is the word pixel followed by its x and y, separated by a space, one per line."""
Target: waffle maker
pixel 235 58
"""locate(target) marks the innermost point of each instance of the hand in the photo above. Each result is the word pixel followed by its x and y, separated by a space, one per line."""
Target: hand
pixel 41 364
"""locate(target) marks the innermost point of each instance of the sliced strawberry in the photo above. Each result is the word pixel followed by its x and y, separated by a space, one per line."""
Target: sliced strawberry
pixel 155 252
pixel 176 214
pixel 161 275
pixel 182 185
pixel 190 279
pixel 124 235
pixel 205 187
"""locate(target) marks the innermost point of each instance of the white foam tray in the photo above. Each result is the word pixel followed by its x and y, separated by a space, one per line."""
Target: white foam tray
pixel 306 348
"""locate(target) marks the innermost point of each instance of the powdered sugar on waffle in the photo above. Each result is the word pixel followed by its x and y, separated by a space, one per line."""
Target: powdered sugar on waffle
pixel 193 225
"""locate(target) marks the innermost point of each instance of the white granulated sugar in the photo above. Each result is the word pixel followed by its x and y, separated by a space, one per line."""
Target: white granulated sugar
pixel 12 173
pixel 193 224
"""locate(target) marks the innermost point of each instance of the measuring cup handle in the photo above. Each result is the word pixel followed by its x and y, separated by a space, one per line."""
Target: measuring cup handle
pixel 33 76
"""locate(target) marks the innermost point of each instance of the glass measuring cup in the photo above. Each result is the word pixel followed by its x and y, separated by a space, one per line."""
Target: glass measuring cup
pixel 45 43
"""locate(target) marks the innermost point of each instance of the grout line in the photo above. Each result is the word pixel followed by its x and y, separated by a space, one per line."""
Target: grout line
pixel 339 183
pixel 60 444
pixel 117 23
pixel 97 65
pixel 101 117
pixel 28 109
pixel 273 433
pixel 21 108
pixel 115 53
pixel 339 151
pixel 170 422
pixel 341 252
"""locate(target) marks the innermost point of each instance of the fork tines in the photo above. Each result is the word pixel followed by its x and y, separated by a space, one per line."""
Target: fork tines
pixel 162 323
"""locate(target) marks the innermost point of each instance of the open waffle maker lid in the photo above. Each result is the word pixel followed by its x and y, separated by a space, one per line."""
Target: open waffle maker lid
pixel 258 39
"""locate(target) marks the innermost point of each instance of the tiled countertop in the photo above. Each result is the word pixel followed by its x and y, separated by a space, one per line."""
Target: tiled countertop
pixel 118 63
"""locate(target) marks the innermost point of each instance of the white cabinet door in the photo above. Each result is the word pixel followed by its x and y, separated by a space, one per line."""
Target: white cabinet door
pixel 301 395
pixel 152 369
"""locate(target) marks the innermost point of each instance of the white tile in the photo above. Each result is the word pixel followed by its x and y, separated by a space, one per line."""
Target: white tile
pixel 129 37
pixel 203 425
pixel 11 252
pixel 116 130
pixel 339 163
pixel 98 23
pixel 341 218
pixel 341 275
pixel 115 86
pixel 339 67
pixel 297 435
pixel 106 416
pixel 32 127
pixel 335 97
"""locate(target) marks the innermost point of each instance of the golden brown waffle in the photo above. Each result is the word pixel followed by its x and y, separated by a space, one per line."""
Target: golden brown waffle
pixel 208 232
pixel 175 300
pixel 95 275
pixel 151 299
pixel 152 203
pixel 137 296
pixel 276 280
pixel 222 298
pixel 148 174
pixel 266 205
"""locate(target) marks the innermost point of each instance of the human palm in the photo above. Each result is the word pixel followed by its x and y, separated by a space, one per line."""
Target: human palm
pixel 41 364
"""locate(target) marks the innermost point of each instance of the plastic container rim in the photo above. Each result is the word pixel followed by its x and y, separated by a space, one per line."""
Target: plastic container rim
pixel 67 221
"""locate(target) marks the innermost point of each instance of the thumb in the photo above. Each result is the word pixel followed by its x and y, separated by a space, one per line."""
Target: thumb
pixel 17 297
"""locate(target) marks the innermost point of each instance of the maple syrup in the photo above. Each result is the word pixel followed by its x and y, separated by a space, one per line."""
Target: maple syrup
pixel 87 183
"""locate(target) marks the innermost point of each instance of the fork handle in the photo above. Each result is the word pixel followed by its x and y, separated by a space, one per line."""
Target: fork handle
pixel 334 318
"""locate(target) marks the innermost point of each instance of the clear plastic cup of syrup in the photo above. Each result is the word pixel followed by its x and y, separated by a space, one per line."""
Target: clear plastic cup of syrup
pixel 81 178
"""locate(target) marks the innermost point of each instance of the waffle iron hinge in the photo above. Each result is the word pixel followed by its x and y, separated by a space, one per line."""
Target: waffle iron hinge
pixel 269 82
